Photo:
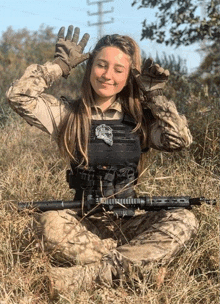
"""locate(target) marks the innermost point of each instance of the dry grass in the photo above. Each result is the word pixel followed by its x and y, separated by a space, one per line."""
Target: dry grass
pixel 32 170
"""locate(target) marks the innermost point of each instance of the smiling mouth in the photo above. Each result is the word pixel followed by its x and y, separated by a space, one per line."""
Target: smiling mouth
pixel 106 83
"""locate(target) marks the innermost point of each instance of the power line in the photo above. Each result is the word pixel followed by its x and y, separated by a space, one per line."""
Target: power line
pixel 100 14
pixel 38 14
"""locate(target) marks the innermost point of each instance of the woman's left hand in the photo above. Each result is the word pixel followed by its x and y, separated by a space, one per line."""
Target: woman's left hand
pixel 152 76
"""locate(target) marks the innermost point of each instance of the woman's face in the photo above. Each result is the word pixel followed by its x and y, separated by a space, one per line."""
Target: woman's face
pixel 109 72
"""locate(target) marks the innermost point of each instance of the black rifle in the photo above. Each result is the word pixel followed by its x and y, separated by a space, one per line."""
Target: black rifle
pixel 121 206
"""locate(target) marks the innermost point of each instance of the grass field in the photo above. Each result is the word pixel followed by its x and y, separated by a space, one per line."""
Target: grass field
pixel 31 169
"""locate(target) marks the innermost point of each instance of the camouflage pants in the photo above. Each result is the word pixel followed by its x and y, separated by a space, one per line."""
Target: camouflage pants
pixel 100 247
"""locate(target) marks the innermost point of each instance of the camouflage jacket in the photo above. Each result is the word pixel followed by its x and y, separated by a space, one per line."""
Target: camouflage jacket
pixel 167 129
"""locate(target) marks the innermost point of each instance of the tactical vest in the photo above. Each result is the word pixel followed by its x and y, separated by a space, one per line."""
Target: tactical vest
pixel 113 152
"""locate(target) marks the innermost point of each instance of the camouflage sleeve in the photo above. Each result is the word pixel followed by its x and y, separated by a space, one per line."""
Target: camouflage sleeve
pixel 168 130
pixel 26 97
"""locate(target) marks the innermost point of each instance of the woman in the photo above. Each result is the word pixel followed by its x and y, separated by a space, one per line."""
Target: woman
pixel 120 114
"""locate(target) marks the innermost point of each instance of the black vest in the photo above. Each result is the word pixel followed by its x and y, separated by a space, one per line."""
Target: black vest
pixel 113 153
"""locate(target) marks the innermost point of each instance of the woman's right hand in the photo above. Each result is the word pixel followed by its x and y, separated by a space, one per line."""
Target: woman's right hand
pixel 68 52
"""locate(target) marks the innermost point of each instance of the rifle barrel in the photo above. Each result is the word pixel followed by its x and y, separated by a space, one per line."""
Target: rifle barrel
pixel 50 205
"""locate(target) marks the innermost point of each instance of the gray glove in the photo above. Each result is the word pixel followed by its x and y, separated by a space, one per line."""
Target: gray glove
pixel 68 52
pixel 152 78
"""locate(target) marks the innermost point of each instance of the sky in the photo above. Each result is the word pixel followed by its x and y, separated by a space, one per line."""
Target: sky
pixel 31 14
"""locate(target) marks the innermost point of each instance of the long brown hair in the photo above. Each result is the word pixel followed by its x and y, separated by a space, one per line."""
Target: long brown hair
pixel 74 132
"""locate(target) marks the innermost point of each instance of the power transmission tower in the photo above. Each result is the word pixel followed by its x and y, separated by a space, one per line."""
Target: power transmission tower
pixel 100 14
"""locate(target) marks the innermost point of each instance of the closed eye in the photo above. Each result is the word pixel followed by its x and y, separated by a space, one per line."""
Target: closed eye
pixel 101 65
pixel 119 70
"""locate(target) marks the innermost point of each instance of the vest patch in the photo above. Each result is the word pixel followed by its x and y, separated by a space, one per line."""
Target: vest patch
pixel 105 133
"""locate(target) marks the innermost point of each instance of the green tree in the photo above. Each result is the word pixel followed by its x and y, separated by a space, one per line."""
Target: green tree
pixel 209 69
pixel 179 22
pixel 19 49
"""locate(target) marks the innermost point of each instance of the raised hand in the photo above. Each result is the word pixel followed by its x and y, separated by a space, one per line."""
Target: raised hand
pixel 68 51
pixel 152 76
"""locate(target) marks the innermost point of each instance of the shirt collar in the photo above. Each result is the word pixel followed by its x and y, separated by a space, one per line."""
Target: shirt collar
pixel 116 105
